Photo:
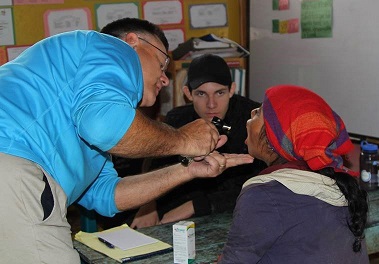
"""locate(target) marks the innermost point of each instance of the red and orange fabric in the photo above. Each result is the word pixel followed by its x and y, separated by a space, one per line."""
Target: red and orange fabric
pixel 300 125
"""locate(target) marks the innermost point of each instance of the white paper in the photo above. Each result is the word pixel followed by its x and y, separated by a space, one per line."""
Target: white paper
pixel 13 52
pixel 58 21
pixel 174 37
pixel 203 16
pixel 107 13
pixel 6 27
pixel 127 238
pixel 5 2
pixel 163 12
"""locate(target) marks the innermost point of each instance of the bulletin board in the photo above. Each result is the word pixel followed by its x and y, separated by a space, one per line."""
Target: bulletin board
pixel 234 16
pixel 29 18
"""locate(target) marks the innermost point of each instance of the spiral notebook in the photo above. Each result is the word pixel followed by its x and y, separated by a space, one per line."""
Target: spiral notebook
pixel 123 243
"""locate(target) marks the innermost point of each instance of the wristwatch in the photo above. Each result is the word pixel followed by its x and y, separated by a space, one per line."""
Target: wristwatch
pixel 185 161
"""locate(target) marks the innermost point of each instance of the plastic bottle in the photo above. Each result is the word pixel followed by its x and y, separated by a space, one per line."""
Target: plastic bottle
pixel 368 165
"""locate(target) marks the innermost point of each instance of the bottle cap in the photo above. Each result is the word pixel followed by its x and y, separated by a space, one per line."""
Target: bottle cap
pixel 369 147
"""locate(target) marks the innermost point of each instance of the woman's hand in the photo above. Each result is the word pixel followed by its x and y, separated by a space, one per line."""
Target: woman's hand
pixel 215 163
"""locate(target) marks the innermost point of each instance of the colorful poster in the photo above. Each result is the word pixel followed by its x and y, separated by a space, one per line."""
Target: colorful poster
pixel 316 18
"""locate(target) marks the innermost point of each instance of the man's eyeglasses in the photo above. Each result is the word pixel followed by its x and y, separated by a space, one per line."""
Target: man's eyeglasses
pixel 167 60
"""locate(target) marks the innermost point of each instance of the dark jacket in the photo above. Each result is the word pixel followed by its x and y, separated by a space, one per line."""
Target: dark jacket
pixel 272 224
pixel 214 194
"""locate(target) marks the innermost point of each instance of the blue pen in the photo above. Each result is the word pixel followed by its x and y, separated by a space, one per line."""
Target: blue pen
pixel 105 242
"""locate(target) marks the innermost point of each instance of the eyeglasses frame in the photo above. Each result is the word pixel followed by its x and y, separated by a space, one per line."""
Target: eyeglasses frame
pixel 167 60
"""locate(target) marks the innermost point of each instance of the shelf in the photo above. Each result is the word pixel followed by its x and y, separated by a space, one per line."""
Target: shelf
pixel 232 63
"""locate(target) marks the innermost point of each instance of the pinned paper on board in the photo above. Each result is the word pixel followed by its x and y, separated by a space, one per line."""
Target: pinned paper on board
pixel 5 2
pixel 275 26
pixel 13 52
pixel 58 21
pixel 208 15
pixel 174 36
pixel 284 4
pixel 164 12
pixel 285 26
pixel 106 13
pixel 280 4
pixel 293 25
pixel 316 19
pixel 6 27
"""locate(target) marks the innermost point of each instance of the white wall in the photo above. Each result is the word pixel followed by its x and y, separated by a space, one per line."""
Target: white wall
pixel 343 69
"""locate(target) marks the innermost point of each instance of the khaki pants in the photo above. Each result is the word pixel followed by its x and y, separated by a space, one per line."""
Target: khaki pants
pixel 33 223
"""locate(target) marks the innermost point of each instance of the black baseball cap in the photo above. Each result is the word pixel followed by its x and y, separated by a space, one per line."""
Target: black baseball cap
pixel 208 68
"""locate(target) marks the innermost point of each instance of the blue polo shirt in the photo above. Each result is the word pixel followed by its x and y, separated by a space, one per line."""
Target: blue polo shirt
pixel 64 102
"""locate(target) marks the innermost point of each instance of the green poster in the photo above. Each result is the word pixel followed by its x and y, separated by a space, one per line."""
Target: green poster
pixel 275 26
pixel 316 18
pixel 275 4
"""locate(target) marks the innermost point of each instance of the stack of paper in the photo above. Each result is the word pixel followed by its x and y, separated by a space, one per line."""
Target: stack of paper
pixel 123 243
pixel 210 43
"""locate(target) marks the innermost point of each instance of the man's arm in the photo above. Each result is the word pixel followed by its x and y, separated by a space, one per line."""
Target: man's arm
pixel 148 138
pixel 134 191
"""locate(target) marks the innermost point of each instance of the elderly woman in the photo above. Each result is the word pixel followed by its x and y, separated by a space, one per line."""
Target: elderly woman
pixel 306 207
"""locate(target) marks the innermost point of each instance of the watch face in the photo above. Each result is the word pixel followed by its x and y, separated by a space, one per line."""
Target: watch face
pixel 185 161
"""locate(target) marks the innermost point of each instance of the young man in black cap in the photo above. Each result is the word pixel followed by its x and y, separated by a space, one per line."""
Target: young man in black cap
pixel 211 91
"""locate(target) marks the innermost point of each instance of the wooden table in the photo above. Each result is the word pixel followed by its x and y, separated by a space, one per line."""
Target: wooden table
pixel 210 235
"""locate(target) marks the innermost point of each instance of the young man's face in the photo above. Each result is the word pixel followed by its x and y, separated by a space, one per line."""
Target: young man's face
pixel 210 99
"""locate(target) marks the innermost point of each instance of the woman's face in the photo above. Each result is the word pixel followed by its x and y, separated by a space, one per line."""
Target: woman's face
pixel 254 127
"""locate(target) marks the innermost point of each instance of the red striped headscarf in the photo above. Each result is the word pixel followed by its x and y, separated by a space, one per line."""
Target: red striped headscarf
pixel 300 125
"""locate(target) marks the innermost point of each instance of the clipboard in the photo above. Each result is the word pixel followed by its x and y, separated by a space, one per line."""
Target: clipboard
pixel 137 252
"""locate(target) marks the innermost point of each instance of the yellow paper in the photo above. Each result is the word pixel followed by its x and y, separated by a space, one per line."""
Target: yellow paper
pixel 91 240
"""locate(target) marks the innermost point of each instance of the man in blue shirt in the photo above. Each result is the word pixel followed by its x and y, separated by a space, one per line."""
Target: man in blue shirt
pixel 66 104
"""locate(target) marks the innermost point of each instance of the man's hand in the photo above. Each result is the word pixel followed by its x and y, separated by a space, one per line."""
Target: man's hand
pixel 200 137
